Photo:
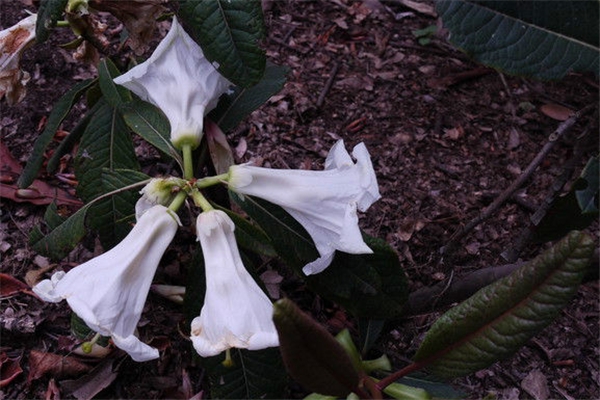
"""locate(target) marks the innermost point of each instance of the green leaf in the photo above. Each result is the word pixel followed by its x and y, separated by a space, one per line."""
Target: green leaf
pixel 106 143
pixel 59 112
pixel 369 331
pixel 543 39
pixel 72 138
pixel 587 197
pixel 249 236
pixel 150 123
pixel 229 32
pixel 500 318
pixel 62 235
pixel 113 93
pixel 574 211
pixel 234 107
pixel 311 355
pixel 49 12
pixel 291 242
pixel 369 285
pixel 257 374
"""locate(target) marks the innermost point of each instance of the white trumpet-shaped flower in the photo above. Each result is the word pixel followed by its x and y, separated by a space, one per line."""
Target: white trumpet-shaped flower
pixel 179 80
pixel 236 312
pixel 323 202
pixel 109 291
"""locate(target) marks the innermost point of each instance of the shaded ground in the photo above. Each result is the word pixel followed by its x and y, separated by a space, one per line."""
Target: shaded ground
pixel 446 136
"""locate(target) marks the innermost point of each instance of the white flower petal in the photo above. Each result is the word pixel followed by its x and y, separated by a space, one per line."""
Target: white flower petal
pixel 236 312
pixel 109 291
pixel 179 80
pixel 324 202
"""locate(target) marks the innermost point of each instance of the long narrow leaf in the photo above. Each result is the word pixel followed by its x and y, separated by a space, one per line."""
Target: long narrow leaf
pixel 500 318
pixel 63 234
pixel 59 112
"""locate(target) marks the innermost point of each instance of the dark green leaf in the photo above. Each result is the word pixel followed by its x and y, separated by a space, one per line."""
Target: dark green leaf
pixel 311 355
pixel 254 375
pixel 369 285
pixel 500 318
pixel 369 330
pixel 234 107
pixel 106 143
pixel 543 39
pixel 436 389
pixel 62 234
pixel 290 240
pixel 229 32
pixel 113 93
pixel 72 138
pixel 49 12
pixel 249 236
pixel 58 114
pixel 574 211
pixel 150 123
pixel 587 197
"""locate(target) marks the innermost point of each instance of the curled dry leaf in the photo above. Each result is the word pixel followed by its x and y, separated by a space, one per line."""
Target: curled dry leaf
pixel 9 369
pixel 57 366
pixel 13 41
pixel 138 16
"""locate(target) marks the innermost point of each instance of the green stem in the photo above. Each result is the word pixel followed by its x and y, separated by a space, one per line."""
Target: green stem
pixel 62 24
pixel 211 180
pixel 201 201
pixel 188 164
pixel 178 201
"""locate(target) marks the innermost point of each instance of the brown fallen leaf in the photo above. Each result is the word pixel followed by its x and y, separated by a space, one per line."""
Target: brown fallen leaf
pixel 9 369
pixel 89 385
pixel 10 286
pixel 58 366
pixel 138 16
pixel 557 112
pixel 39 193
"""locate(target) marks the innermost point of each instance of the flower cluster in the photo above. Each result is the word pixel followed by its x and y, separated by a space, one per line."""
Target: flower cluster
pixel 109 291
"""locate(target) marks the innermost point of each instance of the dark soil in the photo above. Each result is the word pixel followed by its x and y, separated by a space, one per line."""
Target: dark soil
pixel 446 136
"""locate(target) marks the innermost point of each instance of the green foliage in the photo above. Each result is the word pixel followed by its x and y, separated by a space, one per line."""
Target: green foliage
pixel 500 318
pixel 106 143
pixel 114 94
pixel 62 235
pixel 49 13
pixel 543 39
pixel 369 285
pixel 311 355
pixel 254 375
pixel 229 32
pixel 234 107
pixel 576 210
pixel 59 112
pixel 150 123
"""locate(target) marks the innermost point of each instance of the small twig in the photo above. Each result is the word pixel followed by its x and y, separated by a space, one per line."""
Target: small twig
pixel 328 84
pixel 508 192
